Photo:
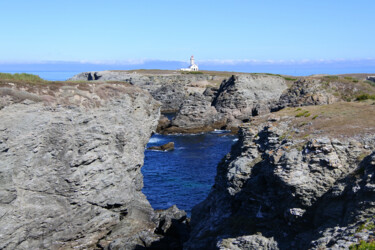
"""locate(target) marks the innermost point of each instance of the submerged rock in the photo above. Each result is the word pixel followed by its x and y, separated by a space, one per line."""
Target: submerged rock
pixel 166 147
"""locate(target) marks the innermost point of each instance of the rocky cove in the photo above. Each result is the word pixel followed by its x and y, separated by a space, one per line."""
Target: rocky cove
pixel 301 175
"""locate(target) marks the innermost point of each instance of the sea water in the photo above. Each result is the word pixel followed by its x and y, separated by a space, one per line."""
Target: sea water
pixel 185 175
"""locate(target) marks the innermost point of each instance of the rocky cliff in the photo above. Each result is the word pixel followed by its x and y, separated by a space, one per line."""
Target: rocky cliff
pixel 294 182
pixel 168 88
pixel 243 96
pixel 70 167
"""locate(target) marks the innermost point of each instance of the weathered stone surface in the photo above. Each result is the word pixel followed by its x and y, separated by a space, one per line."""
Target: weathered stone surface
pixel 247 242
pixel 371 78
pixel 163 123
pixel 196 113
pixel 305 93
pixel 70 167
pixel 171 96
pixel 293 191
pixel 166 147
pixel 169 89
pixel 243 96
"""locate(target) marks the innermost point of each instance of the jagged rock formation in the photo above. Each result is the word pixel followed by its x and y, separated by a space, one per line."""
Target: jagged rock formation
pixel 70 167
pixel 169 89
pixel 196 115
pixel 236 101
pixel 243 96
pixel 304 93
pixel 282 189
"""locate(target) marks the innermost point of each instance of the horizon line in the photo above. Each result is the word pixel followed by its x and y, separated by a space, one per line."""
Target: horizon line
pixel 203 62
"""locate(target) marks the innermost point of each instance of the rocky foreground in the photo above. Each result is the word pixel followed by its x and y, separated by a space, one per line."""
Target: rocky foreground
pixel 301 178
pixel 70 165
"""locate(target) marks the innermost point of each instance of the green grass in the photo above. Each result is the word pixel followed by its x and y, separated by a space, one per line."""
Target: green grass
pixel 370 82
pixel 363 245
pixel 303 113
pixel 290 79
pixel 21 77
pixel 332 77
pixel 314 117
pixel 363 97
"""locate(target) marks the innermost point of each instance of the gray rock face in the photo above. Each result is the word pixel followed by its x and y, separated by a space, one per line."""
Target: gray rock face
pixel 371 78
pixel 243 96
pixel 171 97
pixel 196 113
pixel 292 192
pixel 247 242
pixel 169 89
pixel 305 93
pixel 70 168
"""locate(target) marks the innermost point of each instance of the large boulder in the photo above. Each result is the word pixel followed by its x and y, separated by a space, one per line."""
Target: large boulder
pixel 243 96
pixel 304 93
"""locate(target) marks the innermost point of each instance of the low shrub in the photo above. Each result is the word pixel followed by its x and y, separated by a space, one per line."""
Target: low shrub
pixel 21 77
pixel 363 97
pixel 363 245
pixel 303 113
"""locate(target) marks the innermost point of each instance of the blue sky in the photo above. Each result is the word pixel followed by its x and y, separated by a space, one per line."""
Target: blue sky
pixel 216 32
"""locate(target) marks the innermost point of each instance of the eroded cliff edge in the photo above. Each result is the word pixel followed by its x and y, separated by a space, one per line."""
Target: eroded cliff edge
pixel 300 178
pixel 70 164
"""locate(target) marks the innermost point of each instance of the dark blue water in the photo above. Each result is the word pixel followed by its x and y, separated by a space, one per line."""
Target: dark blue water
pixel 183 176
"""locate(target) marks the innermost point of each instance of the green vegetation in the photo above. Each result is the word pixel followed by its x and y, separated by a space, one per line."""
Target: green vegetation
pixel 370 82
pixel 363 245
pixel 21 77
pixel 363 97
pixel 290 79
pixel 349 78
pixel 314 117
pixel 332 77
pixel 303 113
pixel 367 225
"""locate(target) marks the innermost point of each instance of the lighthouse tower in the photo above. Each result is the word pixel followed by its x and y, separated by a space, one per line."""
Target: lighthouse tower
pixel 192 61
pixel 192 67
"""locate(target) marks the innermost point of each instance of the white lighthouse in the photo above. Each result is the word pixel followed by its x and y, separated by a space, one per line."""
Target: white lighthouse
pixel 192 67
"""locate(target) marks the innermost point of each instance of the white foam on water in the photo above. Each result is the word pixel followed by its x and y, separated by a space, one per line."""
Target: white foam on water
pixel 235 139
pixel 155 140
pixel 219 131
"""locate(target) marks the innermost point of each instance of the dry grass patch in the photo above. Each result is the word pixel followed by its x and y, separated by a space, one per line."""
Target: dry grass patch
pixel 338 120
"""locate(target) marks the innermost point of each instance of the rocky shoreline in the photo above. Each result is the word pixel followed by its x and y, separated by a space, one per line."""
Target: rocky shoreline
pixel 301 175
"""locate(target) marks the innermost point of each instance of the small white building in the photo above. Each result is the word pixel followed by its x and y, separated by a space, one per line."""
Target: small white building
pixel 192 67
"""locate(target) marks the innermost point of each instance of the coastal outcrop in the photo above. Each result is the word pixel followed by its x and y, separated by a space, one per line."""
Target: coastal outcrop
pixel 70 167
pixel 294 182
pixel 306 92
pixel 196 115
pixel 243 96
pixel 170 88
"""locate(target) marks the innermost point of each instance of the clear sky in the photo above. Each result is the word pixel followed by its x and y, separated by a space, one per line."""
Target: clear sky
pixel 119 30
